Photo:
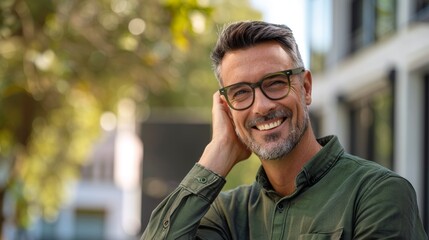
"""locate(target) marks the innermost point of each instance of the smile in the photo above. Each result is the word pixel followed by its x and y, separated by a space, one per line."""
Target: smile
pixel 268 126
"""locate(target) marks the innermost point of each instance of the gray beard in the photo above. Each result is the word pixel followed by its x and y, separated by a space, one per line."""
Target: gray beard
pixel 282 147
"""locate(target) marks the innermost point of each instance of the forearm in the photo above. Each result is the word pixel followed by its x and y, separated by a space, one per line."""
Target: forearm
pixel 178 215
pixel 217 159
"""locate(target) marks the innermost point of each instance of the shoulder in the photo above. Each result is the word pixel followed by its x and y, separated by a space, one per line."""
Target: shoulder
pixel 385 202
pixel 369 178
pixel 352 163
pixel 376 180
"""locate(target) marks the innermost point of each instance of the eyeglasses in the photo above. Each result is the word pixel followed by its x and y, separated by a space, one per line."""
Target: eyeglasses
pixel 274 86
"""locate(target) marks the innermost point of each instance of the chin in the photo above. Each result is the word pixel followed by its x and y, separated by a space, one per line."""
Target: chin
pixel 271 150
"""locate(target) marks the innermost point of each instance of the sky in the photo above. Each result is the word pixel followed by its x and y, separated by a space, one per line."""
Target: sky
pixel 289 12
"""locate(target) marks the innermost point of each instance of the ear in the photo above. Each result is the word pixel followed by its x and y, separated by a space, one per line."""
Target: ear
pixel 225 105
pixel 307 85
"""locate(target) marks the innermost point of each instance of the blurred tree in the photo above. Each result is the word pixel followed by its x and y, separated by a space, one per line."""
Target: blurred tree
pixel 63 63
pixel 192 81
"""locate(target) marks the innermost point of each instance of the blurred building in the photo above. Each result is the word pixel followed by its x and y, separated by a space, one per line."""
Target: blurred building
pixel 171 150
pixel 370 65
pixel 120 186
pixel 105 203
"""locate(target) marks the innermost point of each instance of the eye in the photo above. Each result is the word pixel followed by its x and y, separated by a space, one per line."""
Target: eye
pixel 239 93
pixel 276 83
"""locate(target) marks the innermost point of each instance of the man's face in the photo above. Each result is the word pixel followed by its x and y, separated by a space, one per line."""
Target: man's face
pixel 270 128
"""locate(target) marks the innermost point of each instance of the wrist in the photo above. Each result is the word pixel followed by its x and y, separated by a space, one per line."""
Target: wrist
pixel 217 159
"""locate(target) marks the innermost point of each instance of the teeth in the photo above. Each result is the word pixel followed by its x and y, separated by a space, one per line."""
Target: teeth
pixel 269 126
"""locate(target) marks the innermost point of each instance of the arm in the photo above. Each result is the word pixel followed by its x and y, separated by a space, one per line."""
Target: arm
pixel 178 216
pixel 388 210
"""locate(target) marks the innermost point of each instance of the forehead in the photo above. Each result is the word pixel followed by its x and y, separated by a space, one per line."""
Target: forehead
pixel 253 63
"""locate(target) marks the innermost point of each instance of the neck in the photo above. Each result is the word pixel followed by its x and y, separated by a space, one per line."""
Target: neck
pixel 283 172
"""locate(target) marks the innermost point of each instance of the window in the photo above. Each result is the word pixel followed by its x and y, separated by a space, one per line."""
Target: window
pixel 385 18
pixel 371 127
pixel 356 25
pixel 422 10
pixel 48 230
pixel 89 224
pixel 371 21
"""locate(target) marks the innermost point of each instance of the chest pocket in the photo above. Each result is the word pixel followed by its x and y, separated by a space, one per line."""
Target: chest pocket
pixel 336 235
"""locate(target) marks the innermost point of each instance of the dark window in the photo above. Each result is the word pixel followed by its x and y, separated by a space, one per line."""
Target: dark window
pixel 422 10
pixel 356 25
pixel 421 5
pixel 371 20
pixel 371 127
pixel 170 151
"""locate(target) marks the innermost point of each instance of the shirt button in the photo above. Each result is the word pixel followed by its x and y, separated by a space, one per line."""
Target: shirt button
pixel 165 223
pixel 202 179
pixel 280 207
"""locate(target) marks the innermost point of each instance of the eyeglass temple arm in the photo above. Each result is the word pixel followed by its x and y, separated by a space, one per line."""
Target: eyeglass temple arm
pixel 296 71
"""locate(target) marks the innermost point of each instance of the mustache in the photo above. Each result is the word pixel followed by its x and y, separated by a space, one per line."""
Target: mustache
pixel 279 113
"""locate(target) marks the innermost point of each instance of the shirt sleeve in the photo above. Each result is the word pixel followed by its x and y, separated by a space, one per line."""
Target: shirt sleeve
pixel 388 210
pixel 179 214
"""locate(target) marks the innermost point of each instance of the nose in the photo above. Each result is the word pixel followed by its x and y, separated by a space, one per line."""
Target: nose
pixel 262 104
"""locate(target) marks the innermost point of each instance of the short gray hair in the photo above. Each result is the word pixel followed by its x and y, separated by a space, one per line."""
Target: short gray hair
pixel 246 34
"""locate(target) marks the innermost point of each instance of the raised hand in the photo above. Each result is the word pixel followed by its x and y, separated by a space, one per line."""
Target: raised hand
pixel 225 149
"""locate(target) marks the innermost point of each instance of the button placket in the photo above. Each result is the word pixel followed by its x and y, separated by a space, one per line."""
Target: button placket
pixel 280 207
pixel 279 220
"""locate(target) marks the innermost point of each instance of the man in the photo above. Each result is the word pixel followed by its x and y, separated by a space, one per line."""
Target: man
pixel 306 188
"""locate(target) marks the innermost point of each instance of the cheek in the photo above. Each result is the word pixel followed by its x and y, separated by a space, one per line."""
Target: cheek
pixel 297 104
pixel 239 121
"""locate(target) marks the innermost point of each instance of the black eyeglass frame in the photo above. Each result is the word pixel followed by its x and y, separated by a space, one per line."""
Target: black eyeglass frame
pixel 223 91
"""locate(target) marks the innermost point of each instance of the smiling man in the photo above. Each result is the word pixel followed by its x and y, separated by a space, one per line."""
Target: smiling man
pixel 306 188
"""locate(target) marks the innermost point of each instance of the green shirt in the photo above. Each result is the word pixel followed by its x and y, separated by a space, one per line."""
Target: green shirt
pixel 338 196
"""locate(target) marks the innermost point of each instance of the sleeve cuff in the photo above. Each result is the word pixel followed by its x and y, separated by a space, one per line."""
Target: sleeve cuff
pixel 203 182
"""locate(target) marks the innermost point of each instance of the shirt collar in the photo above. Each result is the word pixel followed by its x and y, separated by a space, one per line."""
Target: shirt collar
pixel 315 169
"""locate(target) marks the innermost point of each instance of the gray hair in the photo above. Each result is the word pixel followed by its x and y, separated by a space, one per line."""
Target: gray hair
pixel 246 34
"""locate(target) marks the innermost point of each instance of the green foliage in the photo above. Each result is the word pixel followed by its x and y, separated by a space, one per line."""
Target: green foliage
pixel 243 173
pixel 63 63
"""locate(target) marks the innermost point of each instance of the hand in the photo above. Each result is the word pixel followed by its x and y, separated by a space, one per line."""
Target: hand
pixel 225 149
pixel 224 130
